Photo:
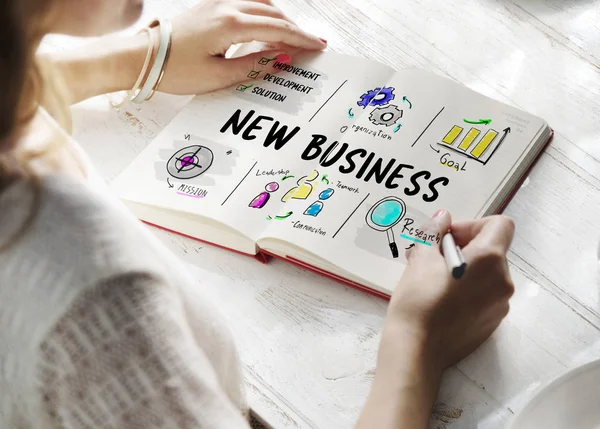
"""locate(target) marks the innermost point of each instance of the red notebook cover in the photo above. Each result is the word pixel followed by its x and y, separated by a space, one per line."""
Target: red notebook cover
pixel 263 255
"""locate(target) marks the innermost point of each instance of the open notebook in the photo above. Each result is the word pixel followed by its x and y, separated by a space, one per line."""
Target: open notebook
pixel 333 163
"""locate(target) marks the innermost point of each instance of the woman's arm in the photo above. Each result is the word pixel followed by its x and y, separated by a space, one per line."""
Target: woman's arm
pixel 196 65
pixel 405 386
pixel 434 321
pixel 109 64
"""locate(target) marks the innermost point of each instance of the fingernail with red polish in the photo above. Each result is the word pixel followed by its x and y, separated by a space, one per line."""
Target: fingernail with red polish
pixel 438 213
pixel 284 58
pixel 322 40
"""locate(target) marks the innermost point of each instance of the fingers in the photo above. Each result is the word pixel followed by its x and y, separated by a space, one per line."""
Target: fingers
pixel 464 232
pixel 262 8
pixel 273 30
pixel 493 232
pixel 438 224
pixel 239 69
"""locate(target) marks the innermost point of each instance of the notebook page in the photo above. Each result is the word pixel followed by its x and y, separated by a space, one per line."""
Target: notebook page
pixel 229 155
pixel 429 143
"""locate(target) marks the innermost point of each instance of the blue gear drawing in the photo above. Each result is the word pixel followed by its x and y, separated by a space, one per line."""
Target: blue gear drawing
pixel 368 98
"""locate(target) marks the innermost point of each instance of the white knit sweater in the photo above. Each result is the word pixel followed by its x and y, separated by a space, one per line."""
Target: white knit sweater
pixel 100 326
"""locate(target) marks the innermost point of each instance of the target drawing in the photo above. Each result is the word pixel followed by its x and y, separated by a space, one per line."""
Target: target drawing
pixel 190 162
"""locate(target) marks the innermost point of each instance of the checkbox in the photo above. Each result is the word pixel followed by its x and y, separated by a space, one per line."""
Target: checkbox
pixel 242 88
pixel 253 74
pixel 264 61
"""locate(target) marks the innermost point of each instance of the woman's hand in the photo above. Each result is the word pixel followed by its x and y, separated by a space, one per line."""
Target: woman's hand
pixel 196 64
pixel 202 35
pixel 434 321
pixel 452 317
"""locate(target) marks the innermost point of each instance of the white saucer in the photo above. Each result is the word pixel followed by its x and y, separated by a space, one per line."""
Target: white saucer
pixel 572 401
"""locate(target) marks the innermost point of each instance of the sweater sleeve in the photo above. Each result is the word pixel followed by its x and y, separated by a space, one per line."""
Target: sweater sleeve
pixel 123 356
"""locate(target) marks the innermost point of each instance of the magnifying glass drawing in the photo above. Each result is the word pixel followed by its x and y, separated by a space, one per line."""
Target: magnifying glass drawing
pixel 384 215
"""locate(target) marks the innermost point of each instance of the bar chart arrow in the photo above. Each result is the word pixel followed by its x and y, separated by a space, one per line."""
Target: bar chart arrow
pixel 481 121
pixel 505 131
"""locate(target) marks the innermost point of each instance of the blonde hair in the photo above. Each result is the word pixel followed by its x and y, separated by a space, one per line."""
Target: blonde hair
pixel 26 84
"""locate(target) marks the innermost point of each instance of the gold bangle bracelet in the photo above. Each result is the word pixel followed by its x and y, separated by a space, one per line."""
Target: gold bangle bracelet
pixel 162 71
pixel 142 76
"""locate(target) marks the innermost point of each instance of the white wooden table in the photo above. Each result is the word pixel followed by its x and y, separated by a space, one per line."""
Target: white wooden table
pixel 308 344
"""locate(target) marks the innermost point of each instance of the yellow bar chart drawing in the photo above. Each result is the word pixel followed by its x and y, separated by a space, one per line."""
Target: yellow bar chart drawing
pixel 469 138
pixel 452 134
pixel 484 143
pixel 476 144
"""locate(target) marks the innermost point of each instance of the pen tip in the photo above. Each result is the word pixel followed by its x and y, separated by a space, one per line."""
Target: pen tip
pixel 458 272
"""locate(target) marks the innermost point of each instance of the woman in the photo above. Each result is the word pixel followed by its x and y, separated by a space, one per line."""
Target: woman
pixel 99 324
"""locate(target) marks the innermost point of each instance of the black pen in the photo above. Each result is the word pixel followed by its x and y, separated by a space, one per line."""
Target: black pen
pixel 453 255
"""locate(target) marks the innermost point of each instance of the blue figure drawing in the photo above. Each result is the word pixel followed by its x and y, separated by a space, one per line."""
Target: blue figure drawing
pixel 315 208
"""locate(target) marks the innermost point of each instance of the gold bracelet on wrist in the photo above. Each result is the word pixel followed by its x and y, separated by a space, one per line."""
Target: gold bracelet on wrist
pixel 164 65
pixel 142 76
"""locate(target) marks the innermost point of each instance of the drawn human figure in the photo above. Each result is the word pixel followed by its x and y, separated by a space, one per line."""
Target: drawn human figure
pixel 261 199
pixel 304 188
pixel 315 208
